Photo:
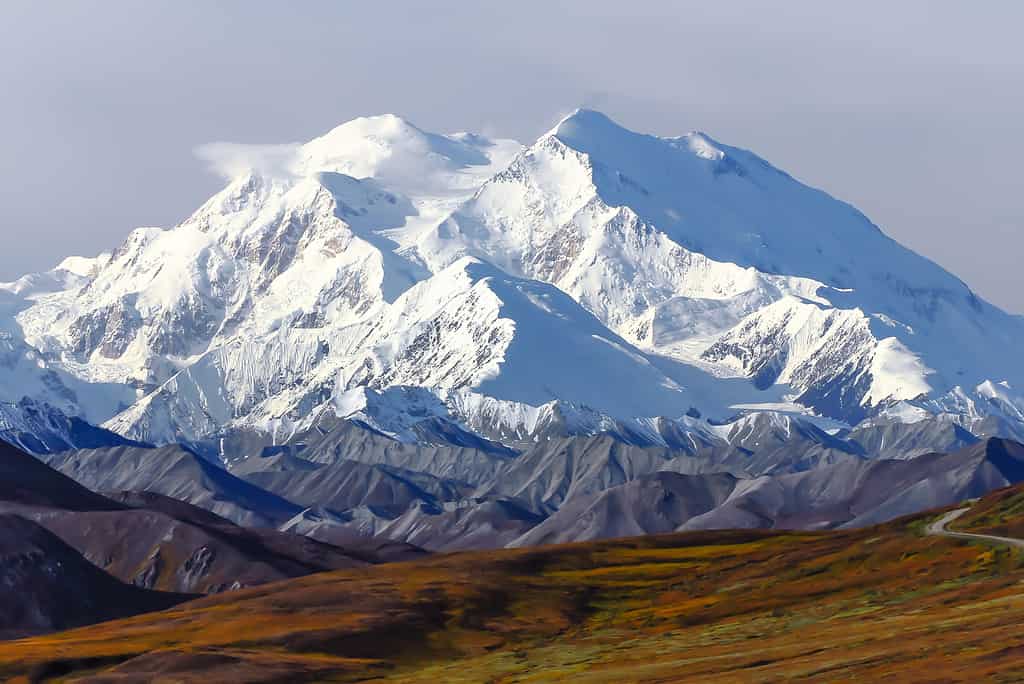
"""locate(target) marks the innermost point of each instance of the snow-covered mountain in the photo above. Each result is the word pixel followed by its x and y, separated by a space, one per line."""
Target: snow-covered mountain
pixel 709 255
pixel 598 280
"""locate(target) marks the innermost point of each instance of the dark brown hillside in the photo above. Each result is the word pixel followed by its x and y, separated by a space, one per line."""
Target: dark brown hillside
pixel 46 585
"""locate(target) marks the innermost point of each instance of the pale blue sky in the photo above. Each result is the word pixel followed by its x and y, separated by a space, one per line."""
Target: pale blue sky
pixel 912 110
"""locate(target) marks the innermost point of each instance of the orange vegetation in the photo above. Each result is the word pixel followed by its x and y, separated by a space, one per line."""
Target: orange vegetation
pixel 1000 513
pixel 704 607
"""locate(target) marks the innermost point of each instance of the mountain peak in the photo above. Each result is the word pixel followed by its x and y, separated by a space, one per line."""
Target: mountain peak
pixel 388 145
pixel 382 126
pixel 596 134
pixel 587 125
pixel 582 116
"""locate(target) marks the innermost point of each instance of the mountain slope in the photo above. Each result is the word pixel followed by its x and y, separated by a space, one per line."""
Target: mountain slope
pixel 555 471
pixel 155 542
pixel 652 504
pixel 477 523
pixel 163 545
pixel 855 494
pixel 708 254
pixel 178 473
pixel 48 586
pixel 350 484
pixel 356 441
pixel 26 481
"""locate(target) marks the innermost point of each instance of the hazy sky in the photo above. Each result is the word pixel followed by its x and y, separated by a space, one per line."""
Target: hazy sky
pixel 912 111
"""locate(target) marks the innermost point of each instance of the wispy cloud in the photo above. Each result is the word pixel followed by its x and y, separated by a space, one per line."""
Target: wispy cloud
pixel 229 159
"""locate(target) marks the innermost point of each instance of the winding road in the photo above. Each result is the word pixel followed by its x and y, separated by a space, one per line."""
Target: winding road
pixel 938 528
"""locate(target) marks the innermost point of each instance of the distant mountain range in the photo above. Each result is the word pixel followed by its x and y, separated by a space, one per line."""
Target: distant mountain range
pixel 70 556
pixel 354 486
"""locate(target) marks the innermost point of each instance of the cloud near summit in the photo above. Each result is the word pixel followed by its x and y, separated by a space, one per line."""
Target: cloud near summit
pixel 228 159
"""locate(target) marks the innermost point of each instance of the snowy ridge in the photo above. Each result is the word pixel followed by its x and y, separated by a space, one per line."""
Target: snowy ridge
pixel 599 280
pixel 398 410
